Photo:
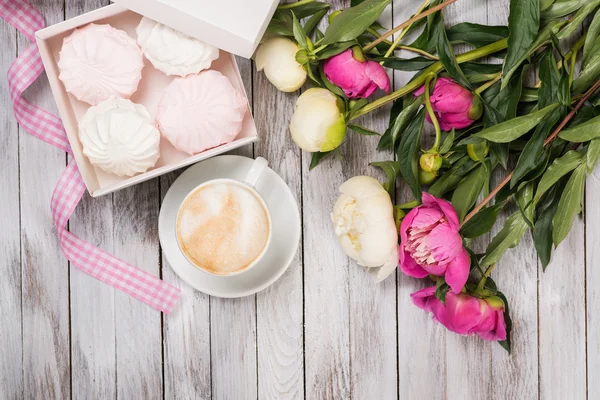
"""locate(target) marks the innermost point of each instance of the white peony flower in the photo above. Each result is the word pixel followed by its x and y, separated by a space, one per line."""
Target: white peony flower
pixel 277 57
pixel 317 123
pixel 363 217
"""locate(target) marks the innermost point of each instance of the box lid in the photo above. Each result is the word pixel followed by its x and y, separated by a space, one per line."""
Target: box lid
pixel 235 26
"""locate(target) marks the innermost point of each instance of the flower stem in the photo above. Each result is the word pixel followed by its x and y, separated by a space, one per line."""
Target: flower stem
pixel 435 68
pixel 418 51
pixel 407 23
pixel 378 35
pixel 483 279
pixel 487 85
pixel 438 132
pixel 405 31
pixel 295 4
pixel 548 140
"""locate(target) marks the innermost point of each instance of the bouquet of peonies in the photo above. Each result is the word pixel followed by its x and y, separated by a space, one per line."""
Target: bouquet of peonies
pixel 546 137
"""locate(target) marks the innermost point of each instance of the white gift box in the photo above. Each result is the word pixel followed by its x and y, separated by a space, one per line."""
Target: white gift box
pixel 153 82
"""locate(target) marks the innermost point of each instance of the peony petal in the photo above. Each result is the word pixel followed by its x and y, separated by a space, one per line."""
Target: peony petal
pixel 444 243
pixel 446 208
pixel 377 74
pixel 422 298
pixel 347 73
pixel 499 330
pixel 426 217
pixel 407 223
pixel 457 271
pixel 463 313
pixel 409 266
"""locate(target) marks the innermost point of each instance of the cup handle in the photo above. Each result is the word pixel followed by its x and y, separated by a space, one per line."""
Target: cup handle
pixel 258 167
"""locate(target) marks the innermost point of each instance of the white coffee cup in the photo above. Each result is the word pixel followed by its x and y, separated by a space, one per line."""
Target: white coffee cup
pixel 223 226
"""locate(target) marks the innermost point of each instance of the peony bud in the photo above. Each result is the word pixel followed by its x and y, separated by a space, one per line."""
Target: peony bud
pixel 317 123
pixel 277 57
pixel 426 178
pixel 453 105
pixel 357 76
pixel 478 151
pixel 363 217
pixel 430 162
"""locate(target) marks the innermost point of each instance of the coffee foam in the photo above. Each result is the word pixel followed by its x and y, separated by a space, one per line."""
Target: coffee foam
pixel 222 227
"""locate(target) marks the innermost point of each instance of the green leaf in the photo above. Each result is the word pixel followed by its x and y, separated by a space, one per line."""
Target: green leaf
pixel 451 178
pixel 408 153
pixel 475 34
pixel 479 73
pixel 500 153
pixel 299 34
pixel 335 49
pixel 524 198
pixel 542 232
pixel 406 64
pixel 508 237
pixel 561 8
pixel 544 35
pixel 314 20
pixel 589 75
pixel 446 52
pixel 316 158
pixel 399 125
pixel 362 130
pixel 391 170
pixel 329 85
pixel 544 4
pixel 510 130
pixel 592 154
pixel 559 168
pixel 305 10
pixel 441 288
pixel 482 222
pixel 467 192
pixel 592 37
pixel 353 21
pixel 447 143
pixel 578 19
pixel 280 28
pixel 533 154
pixel 550 77
pixel 506 344
pixel 523 23
pixel 582 133
pixel 570 205
pixel 507 100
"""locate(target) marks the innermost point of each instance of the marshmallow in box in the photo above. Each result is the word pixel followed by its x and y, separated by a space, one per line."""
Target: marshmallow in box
pixel 233 26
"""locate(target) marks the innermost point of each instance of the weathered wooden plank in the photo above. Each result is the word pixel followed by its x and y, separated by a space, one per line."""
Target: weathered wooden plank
pixel 279 308
pixel 421 342
pixel 592 250
pixel 233 322
pixel 93 340
pixel 186 335
pixel 326 280
pixel 137 326
pixel 11 358
pixel 44 269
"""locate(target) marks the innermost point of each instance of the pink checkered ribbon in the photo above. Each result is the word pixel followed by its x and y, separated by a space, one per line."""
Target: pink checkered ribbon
pixel 70 188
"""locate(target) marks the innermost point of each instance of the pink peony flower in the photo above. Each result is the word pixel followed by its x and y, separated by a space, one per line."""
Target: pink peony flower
pixel 357 78
pixel 465 314
pixel 431 244
pixel 453 105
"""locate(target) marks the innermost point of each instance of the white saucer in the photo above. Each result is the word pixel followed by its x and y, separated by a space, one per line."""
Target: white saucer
pixel 285 224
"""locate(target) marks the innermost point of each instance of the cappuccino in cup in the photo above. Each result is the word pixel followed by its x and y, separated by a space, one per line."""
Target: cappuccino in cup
pixel 223 227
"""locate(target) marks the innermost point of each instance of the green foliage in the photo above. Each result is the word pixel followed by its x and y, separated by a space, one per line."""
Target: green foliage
pixel 353 21
pixel 408 153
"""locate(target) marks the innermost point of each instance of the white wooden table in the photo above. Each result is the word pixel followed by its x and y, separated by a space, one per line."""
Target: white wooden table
pixel 323 331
